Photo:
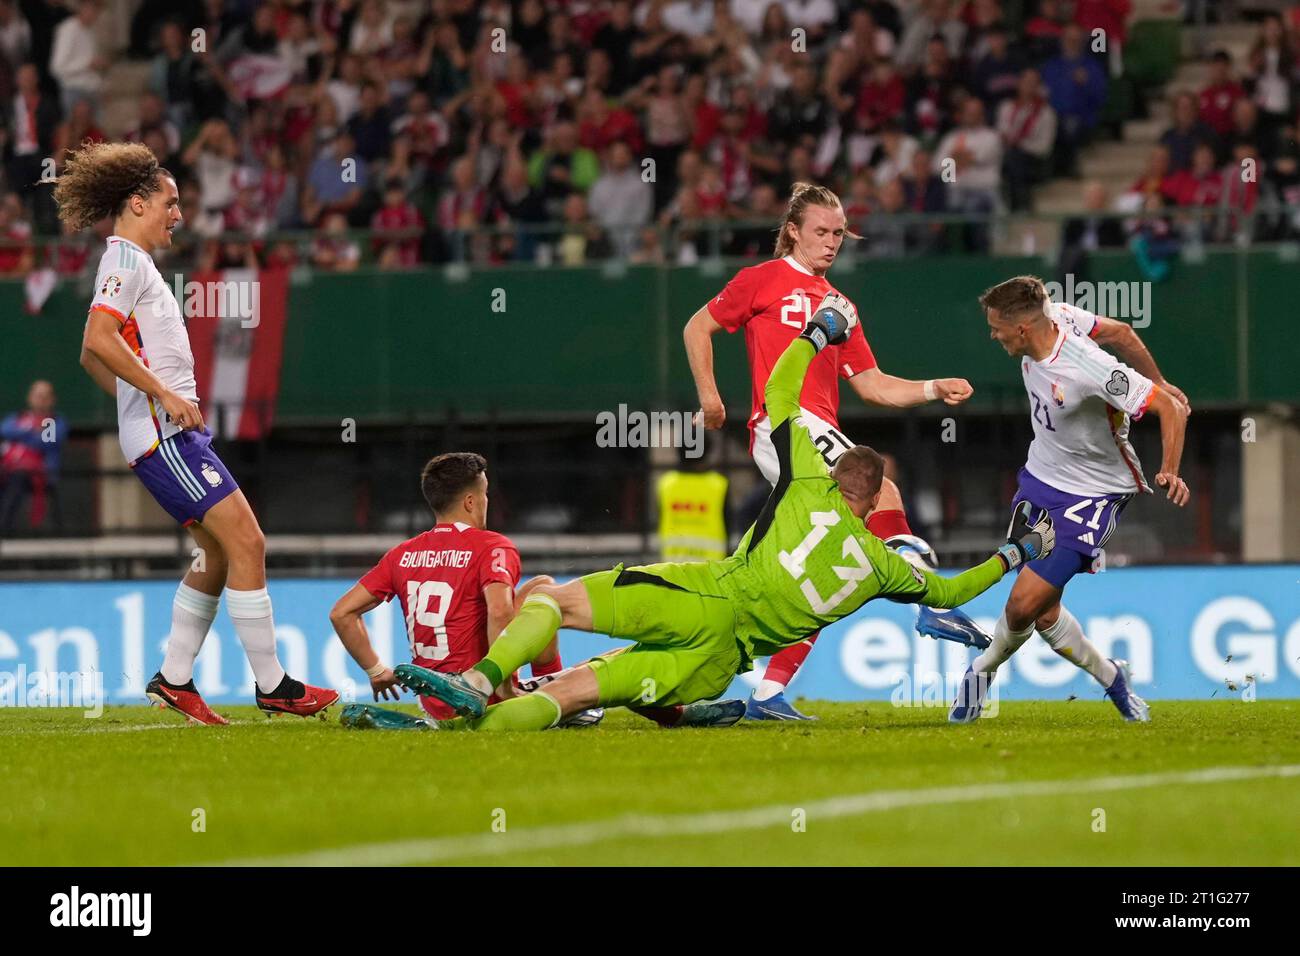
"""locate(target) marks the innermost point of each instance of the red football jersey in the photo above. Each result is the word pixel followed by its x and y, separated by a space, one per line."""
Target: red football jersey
pixel 439 577
pixel 773 301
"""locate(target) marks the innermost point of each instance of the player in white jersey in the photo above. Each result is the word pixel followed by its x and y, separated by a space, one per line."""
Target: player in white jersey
pixel 136 348
pixel 1081 470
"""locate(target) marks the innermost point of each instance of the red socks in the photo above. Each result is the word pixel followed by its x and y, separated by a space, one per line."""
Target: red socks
pixel 885 524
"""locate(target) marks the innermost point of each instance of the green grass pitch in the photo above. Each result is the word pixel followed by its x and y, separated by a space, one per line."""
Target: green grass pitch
pixel 1068 783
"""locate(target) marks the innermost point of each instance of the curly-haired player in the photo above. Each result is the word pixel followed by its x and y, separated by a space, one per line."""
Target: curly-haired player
pixel 136 348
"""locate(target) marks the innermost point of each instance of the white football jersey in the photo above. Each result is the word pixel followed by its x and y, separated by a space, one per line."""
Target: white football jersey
pixel 130 287
pixel 1082 399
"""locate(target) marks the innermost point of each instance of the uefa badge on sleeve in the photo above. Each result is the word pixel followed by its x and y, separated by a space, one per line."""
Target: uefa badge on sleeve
pixel 111 287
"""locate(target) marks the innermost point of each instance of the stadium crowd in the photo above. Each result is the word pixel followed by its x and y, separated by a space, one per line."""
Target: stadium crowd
pixel 581 130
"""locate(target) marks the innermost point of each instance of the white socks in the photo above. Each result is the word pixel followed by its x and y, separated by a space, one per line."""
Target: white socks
pixel 1005 643
pixel 251 613
pixel 767 689
pixel 192 616
pixel 1067 639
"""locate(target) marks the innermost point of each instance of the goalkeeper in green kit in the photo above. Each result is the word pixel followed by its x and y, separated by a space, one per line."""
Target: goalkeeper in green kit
pixel 807 562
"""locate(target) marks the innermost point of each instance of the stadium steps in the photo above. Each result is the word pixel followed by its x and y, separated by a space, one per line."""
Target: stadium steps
pixel 1117 163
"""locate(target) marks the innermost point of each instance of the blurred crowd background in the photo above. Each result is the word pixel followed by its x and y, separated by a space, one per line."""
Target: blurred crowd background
pixel 401 132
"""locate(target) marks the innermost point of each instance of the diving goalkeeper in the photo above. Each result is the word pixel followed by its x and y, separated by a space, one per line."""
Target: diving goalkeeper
pixel 807 562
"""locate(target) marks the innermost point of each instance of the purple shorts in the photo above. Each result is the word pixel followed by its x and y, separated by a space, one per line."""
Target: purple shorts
pixel 1083 525
pixel 185 476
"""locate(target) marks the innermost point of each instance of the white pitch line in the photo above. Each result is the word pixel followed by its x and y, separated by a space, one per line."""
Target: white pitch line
pixel 127 729
pixel 477 845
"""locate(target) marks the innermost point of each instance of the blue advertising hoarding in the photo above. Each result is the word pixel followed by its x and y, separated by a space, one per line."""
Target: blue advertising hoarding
pixel 1188 632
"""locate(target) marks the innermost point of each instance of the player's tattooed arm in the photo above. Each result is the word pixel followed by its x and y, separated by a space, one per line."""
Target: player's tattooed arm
pixel 1120 338
pixel 351 629
pixel 1173 430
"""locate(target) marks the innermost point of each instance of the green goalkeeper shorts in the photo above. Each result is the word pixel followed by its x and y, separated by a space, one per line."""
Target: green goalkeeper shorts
pixel 684 630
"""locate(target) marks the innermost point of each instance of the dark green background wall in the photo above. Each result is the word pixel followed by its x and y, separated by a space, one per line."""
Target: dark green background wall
pixel 379 345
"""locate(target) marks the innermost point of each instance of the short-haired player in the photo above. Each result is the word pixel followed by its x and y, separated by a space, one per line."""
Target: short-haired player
pixel 1081 470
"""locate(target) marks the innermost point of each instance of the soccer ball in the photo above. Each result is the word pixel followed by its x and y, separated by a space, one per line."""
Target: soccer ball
pixel 915 551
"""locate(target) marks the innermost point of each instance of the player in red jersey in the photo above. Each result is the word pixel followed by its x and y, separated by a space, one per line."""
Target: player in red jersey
pixel 456 584
pixel 772 302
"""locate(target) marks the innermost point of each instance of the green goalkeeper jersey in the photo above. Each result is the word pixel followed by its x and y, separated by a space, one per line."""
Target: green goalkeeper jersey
pixel 808 560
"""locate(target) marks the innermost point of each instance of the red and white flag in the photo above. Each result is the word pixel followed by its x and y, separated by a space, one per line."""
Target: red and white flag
pixel 236 322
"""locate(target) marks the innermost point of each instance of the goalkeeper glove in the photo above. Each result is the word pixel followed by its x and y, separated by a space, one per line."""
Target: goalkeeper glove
pixel 832 322
pixel 1027 539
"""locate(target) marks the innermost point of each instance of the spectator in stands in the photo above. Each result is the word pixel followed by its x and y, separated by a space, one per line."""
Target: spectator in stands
pixel 1220 95
pixel 562 166
pixel 1201 184
pixel 997 73
pixel 582 240
pixel 31 450
pixel 172 76
pixel 754 239
pixel 622 199
pixel 1043 31
pixel 79 127
pixel 16 254
pixel 153 116
pixel 933 18
pixel 924 192
pixel 930 93
pixel 1272 73
pixel 866 40
pixel 976 150
pixel 522 206
pixel 1105 20
pixel 1077 89
pixel 31 125
pixel 881 99
pixel 1097 228
pixel 371 125
pixel 601 124
pixel 1248 130
pixel 982 18
pixel 1155 181
pixel 1284 180
pixel 76 61
pixel 884 231
pixel 1028 127
pixel 894 152
pixel 213 156
pixel 1187 133
pixel 335 181
pixel 615 39
pixel 15 35
pixel 465 205
pixel 396 224
pixel 332 250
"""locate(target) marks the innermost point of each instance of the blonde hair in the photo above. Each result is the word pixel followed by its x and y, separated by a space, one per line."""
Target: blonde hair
pixel 99 178
pixel 802 196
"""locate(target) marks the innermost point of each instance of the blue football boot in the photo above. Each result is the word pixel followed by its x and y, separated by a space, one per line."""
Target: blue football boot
pixel 774 708
pixel 1130 705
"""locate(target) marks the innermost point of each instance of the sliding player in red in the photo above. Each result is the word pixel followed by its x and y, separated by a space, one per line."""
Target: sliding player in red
pixel 456 585
pixel 773 302
pixel 136 349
